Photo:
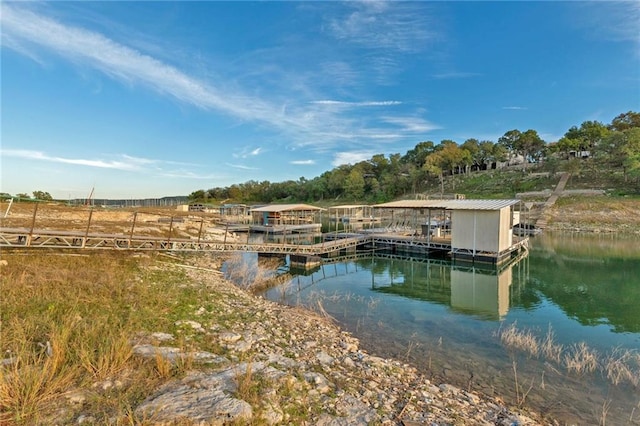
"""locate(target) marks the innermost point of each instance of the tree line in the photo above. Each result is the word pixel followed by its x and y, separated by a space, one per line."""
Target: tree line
pixel 426 166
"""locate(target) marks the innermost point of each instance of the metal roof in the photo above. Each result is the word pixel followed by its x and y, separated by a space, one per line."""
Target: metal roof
pixel 449 204
pixel 286 208
pixel 348 206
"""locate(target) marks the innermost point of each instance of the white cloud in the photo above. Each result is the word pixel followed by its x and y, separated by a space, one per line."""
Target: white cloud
pixel 356 104
pixel 341 158
pixel 515 108
pixel 124 163
pixel 455 74
pixel 299 121
pixel 241 167
pixel 613 20
pixel 303 162
pixel 411 124
pixel 403 27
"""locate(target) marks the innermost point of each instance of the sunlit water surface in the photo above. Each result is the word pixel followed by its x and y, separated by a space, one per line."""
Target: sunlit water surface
pixel 446 320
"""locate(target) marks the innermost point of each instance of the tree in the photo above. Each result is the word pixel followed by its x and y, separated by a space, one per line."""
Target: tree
pixel 588 135
pixel 625 121
pixel 41 195
pixel 198 195
pixel 354 185
pixel 509 140
pixel 435 165
pixel 418 155
pixel 472 146
pixel 565 145
pixel 530 145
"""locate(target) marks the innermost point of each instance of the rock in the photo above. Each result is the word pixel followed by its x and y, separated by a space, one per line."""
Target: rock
pixel 77 397
pixel 447 388
pixel 348 346
pixel 324 358
pixel 196 326
pixel 348 362
pixel 198 397
pixel 162 337
pixel 229 337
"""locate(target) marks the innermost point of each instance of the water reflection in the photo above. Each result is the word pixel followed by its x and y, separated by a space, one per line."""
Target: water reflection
pixel 444 317
pixel 479 291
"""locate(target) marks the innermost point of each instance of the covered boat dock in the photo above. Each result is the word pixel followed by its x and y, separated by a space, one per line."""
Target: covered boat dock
pixel 472 230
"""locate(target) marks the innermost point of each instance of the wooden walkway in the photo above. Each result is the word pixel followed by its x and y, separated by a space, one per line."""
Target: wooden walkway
pixel 332 244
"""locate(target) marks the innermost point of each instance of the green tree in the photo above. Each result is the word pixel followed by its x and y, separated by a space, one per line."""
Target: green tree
pixel 531 146
pixel 625 121
pixel 418 155
pixel 42 195
pixel 354 185
pixel 588 135
pixel 198 195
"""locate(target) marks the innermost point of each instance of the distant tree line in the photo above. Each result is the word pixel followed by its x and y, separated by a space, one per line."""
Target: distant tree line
pixel 383 178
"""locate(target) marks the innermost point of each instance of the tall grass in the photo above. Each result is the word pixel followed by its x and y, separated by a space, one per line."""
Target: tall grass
pixel 67 323
pixel 618 366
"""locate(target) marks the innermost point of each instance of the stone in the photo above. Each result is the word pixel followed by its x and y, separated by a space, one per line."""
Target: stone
pixel 196 326
pixel 162 337
pixel 229 337
pixel 324 358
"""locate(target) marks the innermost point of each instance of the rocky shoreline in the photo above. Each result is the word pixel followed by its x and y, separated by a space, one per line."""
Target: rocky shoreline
pixel 284 365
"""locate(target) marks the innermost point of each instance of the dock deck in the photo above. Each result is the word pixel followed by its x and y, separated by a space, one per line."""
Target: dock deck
pixel 331 244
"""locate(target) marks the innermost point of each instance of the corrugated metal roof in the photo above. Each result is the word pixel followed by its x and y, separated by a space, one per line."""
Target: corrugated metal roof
pixel 449 204
pixel 286 208
pixel 348 206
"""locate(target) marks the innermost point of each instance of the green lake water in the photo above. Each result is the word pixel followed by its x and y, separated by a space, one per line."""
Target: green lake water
pixel 447 320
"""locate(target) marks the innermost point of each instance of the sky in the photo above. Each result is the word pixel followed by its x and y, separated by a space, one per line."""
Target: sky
pixel 151 99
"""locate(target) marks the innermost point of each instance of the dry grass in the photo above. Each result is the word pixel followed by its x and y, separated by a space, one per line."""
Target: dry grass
pixel 67 325
pixel 618 366
pixel 254 277
pixel 523 340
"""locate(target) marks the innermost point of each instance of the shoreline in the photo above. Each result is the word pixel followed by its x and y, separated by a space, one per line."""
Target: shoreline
pixel 345 384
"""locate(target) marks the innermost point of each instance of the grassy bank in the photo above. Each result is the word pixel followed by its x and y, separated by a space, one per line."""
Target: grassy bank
pixel 68 322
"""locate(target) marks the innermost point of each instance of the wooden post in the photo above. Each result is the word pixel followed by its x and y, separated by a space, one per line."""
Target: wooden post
pixel 6 213
pixel 133 225
pixel 170 230
pixel 86 232
pixel 33 223
pixel 200 232
pixel 226 231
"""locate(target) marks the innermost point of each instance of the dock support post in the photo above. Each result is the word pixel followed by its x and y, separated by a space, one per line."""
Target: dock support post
pixel 200 231
pixel 133 227
pixel 170 230
pixel 86 232
pixel 33 224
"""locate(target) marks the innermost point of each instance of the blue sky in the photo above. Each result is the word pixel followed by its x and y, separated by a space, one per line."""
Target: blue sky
pixel 142 99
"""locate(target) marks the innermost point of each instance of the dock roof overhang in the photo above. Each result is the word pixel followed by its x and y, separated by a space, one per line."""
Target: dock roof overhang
pixel 449 204
pixel 286 208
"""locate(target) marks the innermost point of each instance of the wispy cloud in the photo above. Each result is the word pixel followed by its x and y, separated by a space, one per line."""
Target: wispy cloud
pixel 455 75
pixel 122 162
pixel 411 124
pixel 125 162
pixel 241 167
pixel 384 25
pixel 514 108
pixel 286 112
pixel 341 158
pixel 613 20
pixel 356 104
pixel 247 152
pixel 303 162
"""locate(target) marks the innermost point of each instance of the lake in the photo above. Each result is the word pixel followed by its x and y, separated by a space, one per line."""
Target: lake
pixel 557 331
